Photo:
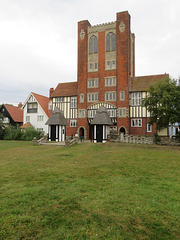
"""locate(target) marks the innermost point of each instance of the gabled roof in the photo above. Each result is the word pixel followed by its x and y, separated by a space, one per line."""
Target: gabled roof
pixel 142 83
pixel 42 100
pixel 101 117
pixel 57 118
pixel 15 112
pixel 65 89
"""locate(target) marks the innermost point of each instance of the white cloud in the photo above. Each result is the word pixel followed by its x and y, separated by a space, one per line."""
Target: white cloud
pixel 38 43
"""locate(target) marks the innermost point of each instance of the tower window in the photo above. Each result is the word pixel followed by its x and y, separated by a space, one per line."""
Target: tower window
pixel 93 44
pixel 110 42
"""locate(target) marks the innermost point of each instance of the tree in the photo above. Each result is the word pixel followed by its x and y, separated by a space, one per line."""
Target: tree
pixel 2 127
pixel 163 102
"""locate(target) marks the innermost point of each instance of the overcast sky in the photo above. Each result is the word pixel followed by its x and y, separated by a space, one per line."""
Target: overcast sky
pixel 38 40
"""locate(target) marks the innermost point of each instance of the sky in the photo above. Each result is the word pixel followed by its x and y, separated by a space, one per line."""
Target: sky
pixel 38 40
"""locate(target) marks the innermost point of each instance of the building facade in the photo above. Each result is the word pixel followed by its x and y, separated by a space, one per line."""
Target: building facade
pixel 106 77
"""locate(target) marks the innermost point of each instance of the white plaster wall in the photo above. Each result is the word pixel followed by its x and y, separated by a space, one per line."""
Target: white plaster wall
pixel 33 118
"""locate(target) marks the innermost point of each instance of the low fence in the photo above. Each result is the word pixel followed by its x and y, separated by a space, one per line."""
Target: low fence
pixel 163 140
pixel 130 139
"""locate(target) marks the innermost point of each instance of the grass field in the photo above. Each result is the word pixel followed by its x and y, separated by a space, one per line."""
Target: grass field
pixel 89 191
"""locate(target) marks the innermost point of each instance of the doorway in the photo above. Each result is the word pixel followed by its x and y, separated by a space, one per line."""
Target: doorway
pixel 122 130
pixel 99 133
pixel 53 132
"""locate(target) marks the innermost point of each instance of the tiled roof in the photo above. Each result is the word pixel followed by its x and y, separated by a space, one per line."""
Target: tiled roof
pixel 65 89
pixel 142 83
pixel 43 101
pixel 15 112
pixel 26 125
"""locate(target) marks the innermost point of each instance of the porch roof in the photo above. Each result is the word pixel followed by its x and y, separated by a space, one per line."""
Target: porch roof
pixel 57 118
pixel 101 117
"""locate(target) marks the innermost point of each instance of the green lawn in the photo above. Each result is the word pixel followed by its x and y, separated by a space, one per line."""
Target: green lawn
pixel 89 191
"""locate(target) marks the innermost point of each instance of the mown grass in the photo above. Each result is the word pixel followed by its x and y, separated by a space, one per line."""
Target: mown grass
pixel 88 191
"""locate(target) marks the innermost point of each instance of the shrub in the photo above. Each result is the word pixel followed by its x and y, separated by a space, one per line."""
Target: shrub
pixel 15 133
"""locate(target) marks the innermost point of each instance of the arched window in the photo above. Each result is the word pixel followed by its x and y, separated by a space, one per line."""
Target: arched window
pixel 93 44
pixel 110 42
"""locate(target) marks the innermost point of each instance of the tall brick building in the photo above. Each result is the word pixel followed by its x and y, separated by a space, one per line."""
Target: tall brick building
pixel 106 78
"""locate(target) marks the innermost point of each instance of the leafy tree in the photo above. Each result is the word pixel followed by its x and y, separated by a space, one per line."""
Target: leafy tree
pixel 2 127
pixel 163 102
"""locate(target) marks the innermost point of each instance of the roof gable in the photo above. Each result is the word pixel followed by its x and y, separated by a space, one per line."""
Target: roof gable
pixel 15 112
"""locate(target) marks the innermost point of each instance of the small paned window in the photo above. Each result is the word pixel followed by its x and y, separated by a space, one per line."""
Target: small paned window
pixel 149 128
pixel 122 96
pixel 112 112
pixel 110 96
pixel 73 102
pixel 92 83
pixel 40 118
pixel 27 118
pixel 73 123
pixel 113 64
pixel 136 98
pixel 81 98
pixel 81 113
pixel 122 112
pixel 110 81
pixel 136 122
pixel 92 97
pixel 91 113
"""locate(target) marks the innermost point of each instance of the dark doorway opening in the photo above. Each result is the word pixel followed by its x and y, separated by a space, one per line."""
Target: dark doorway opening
pixel 53 132
pixel 81 134
pixel 122 130
pixel 99 133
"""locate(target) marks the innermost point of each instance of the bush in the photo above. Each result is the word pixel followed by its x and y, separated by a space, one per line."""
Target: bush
pixel 15 133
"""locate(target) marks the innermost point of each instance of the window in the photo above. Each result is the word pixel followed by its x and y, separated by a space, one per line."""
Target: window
pixel 110 42
pixel 113 64
pixel 59 99
pixel 149 128
pixel 108 64
pixel 73 123
pixel 92 83
pixel 96 66
pixel 27 118
pixel 91 113
pixel 136 99
pixel 92 97
pixel 91 66
pixel 40 118
pixel 110 96
pixel 136 122
pixel 122 112
pixel 32 108
pixel 81 113
pixel 122 96
pixel 112 112
pixel 93 44
pixel 81 98
pixel 110 81
pixel 40 129
pixel 73 102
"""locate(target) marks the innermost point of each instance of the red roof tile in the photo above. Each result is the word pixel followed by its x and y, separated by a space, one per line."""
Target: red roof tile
pixel 142 83
pixel 15 112
pixel 43 101
pixel 27 125
pixel 65 89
